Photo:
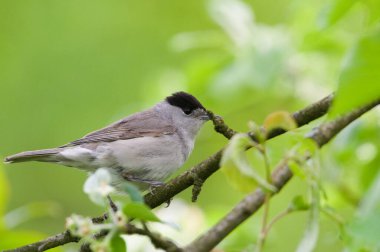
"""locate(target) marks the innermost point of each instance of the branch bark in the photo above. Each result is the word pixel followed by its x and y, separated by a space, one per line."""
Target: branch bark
pixel 252 202
pixel 198 173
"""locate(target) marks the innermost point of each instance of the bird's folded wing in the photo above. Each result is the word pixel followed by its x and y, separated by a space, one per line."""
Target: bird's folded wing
pixel 138 125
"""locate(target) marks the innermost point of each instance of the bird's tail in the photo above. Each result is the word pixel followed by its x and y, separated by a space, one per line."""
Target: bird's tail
pixel 47 155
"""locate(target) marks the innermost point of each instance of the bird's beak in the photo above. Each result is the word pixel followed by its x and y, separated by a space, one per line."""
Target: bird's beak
pixel 205 116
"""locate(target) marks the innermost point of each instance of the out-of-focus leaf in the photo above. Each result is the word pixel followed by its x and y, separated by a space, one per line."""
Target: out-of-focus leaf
pixel 306 147
pixel 279 119
pixel 133 192
pixel 4 190
pixel 31 211
pixel 297 170
pixel 310 237
pixel 139 211
pixel 371 201
pixel 335 11
pixel 117 243
pixel 237 179
pixel 365 232
pixel 360 76
pixel 244 172
pixel 299 204
pixel 257 132
pixel 373 7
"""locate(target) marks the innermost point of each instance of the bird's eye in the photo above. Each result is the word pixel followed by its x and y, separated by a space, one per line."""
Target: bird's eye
pixel 187 111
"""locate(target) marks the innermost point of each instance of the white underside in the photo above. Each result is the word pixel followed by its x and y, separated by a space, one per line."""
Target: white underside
pixel 151 158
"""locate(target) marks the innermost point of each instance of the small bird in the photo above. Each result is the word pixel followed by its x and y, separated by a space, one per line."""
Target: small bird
pixel 144 148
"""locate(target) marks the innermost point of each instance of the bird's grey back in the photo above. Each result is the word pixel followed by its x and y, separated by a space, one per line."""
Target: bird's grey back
pixel 142 124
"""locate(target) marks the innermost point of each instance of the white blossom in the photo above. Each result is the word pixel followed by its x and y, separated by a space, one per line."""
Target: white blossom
pixel 98 186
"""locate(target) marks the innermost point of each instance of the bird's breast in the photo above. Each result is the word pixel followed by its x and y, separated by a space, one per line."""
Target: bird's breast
pixel 153 158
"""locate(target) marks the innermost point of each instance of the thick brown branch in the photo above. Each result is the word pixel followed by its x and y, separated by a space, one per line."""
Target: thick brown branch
pixel 201 171
pixel 251 203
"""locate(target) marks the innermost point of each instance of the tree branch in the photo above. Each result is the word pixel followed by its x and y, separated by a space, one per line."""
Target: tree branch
pixel 251 203
pixel 201 171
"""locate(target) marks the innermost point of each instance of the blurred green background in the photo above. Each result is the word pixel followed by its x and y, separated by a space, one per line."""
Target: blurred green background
pixel 70 67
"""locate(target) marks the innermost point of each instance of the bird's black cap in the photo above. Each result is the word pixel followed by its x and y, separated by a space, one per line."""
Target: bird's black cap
pixel 184 101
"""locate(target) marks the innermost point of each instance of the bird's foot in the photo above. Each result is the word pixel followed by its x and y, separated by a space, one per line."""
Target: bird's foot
pixel 168 202
pixel 153 187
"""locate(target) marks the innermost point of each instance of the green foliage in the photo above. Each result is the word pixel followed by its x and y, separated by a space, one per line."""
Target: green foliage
pixel 241 173
pixel 359 80
pixel 310 237
pixel 117 243
pixel 298 204
pixel 364 232
pixel 304 149
pixel 133 192
pixel 279 119
pixel 296 168
pixel 139 211
pixel 335 11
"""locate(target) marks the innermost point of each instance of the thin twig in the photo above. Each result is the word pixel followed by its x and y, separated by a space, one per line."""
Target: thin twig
pixel 276 219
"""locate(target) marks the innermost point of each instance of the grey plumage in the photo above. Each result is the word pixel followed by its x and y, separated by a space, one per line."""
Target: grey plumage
pixel 146 147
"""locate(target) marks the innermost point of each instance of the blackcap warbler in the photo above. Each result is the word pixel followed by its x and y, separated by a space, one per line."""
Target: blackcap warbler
pixel 146 147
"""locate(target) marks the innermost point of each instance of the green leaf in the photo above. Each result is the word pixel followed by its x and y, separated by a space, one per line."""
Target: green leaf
pixel 359 81
pixel 299 204
pixel 306 147
pixel 241 173
pixel 133 192
pixel 335 11
pixel 371 200
pixel 139 211
pixel 296 168
pixel 373 8
pixel 365 231
pixel 237 179
pixel 279 120
pixel 117 243
pixel 257 132
pixel 310 237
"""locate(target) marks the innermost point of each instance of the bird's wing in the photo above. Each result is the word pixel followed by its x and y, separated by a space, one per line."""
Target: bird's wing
pixel 142 124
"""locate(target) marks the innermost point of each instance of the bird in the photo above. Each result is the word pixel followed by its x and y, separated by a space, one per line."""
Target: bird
pixel 144 148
